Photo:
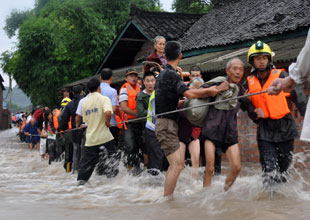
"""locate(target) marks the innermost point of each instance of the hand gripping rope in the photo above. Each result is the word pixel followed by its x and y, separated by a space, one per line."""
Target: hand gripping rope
pixel 175 111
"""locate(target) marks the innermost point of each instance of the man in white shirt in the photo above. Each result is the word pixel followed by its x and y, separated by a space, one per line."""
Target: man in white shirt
pixel 97 112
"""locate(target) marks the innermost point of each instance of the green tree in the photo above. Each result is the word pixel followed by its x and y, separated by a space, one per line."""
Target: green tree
pixel 192 6
pixel 61 41
pixel 13 22
pixel 7 68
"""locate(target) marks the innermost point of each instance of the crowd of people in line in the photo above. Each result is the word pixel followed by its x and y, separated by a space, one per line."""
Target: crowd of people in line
pixel 134 125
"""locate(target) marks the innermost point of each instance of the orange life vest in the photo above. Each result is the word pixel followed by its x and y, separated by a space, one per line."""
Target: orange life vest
pixel 118 120
pixel 274 107
pixel 55 118
pixel 132 93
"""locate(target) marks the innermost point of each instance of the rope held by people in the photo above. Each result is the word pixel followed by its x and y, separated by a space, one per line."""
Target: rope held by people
pixel 175 111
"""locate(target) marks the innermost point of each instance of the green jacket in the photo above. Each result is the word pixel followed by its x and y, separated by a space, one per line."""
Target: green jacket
pixel 142 104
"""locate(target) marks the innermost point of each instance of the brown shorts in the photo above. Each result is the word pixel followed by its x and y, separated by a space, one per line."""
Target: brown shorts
pixel 166 131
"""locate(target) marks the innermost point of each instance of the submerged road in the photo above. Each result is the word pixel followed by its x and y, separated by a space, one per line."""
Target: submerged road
pixel 31 189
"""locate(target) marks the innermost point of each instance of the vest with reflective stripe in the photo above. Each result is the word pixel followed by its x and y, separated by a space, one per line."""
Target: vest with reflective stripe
pixel 274 107
pixel 132 93
pixel 151 120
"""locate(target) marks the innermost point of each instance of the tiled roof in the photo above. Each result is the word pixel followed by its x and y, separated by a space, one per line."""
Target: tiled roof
pixel 170 25
pixel 237 21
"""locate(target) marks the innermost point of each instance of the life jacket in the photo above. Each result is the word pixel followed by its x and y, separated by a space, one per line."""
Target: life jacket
pixel 132 93
pixel 55 118
pixel 274 107
pixel 119 121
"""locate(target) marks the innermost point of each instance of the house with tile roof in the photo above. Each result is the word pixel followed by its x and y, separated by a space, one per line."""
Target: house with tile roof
pixel 210 40
pixel 4 113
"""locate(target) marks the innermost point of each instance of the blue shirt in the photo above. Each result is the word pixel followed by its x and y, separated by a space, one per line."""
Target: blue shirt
pixel 111 93
pixel 32 130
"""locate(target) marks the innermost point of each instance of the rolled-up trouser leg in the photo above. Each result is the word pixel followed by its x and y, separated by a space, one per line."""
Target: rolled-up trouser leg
pixel 76 155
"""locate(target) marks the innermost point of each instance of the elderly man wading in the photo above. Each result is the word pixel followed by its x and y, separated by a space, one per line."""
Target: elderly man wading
pixel 169 89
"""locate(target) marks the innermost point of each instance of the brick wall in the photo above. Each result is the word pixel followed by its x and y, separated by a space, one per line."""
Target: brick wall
pixel 247 138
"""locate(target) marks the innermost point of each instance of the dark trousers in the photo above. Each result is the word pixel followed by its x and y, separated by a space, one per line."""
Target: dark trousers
pixel 275 158
pixel 51 150
pixel 133 144
pixel 157 158
pixel 115 132
pixel 107 157
pixel 68 151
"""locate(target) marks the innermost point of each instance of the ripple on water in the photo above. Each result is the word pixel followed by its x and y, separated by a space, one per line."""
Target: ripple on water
pixel 25 179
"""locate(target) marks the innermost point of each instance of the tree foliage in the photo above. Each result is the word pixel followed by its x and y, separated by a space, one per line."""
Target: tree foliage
pixel 13 22
pixel 61 41
pixel 192 6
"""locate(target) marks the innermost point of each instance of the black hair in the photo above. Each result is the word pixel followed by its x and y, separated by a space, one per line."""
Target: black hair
pixel 93 85
pixel 77 89
pixel 54 107
pixel 33 111
pixel 106 73
pixel 194 68
pixel 172 50
pixel 148 73
pixel 46 113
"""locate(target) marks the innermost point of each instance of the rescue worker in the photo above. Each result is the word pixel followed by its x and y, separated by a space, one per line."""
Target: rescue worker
pixel 276 128
pixel 132 130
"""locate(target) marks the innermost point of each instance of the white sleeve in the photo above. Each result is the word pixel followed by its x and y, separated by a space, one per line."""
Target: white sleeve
pixel 79 108
pixel 300 71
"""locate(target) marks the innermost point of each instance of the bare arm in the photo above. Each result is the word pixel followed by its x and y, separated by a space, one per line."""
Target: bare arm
pixel 108 115
pixel 206 92
pixel 124 108
pixel 116 110
pixel 78 120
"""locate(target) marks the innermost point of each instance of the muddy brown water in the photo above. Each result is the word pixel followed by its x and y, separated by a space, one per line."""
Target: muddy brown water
pixel 31 189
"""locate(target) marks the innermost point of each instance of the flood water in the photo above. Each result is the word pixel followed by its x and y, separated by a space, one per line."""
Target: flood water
pixel 31 189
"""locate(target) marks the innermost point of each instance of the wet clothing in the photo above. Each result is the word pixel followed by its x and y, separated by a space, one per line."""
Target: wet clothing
pixel 275 138
pixel 105 154
pixel 169 89
pixel 77 135
pixel 133 145
pixel 166 131
pixel 32 130
pixel 275 159
pixel 283 129
pixel 157 158
pixel 221 125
